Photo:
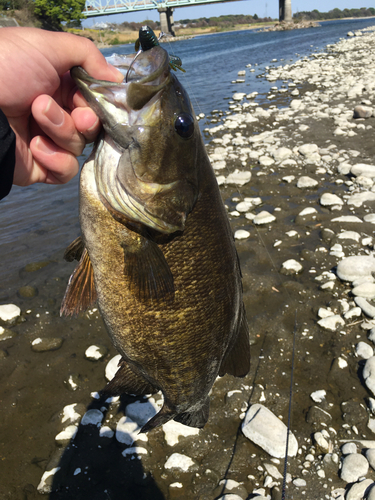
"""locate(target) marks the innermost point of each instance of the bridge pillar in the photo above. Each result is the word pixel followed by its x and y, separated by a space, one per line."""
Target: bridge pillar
pixel 166 20
pixel 285 10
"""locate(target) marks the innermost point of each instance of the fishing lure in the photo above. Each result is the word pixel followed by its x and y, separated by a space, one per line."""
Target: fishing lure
pixel 146 41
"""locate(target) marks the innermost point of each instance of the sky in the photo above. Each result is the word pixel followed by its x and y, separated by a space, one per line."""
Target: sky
pixel 262 8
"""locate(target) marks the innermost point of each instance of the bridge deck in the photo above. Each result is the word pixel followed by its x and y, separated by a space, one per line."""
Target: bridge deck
pixel 107 7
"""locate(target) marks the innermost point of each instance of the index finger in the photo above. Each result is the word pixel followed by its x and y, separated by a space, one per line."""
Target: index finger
pixel 65 50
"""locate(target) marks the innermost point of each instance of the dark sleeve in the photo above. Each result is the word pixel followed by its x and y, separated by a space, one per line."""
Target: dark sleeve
pixel 7 155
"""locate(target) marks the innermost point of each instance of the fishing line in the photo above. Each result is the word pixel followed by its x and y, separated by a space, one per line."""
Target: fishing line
pixel 283 491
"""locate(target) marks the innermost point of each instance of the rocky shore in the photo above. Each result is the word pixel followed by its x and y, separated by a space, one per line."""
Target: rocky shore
pixel 286 26
pixel 297 177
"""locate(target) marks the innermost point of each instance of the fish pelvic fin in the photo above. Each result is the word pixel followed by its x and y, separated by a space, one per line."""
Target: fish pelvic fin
pixel 149 274
pixel 236 361
pixel 126 381
pixel 80 293
pixel 74 250
pixel 195 418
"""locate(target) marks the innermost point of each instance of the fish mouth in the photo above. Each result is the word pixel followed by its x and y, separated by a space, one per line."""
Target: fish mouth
pixel 122 108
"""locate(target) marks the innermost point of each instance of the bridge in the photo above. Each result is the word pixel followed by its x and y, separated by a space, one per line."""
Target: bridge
pixel 94 8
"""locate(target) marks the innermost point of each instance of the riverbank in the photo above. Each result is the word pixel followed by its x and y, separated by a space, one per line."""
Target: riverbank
pixel 291 154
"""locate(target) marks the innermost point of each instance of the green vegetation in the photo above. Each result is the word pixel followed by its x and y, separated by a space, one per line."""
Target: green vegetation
pixel 221 22
pixel 53 12
pixel 315 15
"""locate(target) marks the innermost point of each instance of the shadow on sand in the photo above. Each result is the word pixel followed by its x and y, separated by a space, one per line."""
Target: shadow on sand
pixel 93 467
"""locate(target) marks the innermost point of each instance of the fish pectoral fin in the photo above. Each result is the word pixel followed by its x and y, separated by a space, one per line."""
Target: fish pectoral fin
pixel 126 381
pixel 74 250
pixel 80 293
pixel 236 361
pixel 149 274
pixel 195 418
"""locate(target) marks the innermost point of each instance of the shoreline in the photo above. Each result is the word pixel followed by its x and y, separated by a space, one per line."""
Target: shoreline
pixel 317 160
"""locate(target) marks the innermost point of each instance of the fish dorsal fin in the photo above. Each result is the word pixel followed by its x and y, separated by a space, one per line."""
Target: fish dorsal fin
pixel 149 274
pixel 74 250
pixel 126 381
pixel 80 293
pixel 237 361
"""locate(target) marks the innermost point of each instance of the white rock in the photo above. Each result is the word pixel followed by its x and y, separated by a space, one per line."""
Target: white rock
pixel 282 154
pixel 300 483
pixel 179 461
pixel 67 434
pixel 307 211
pixel 265 161
pixel 45 485
pixel 94 353
pixel 370 455
pixel 329 199
pixel 349 235
pixel 291 266
pixel 354 466
pixel 357 490
pixel 355 312
pixel 127 431
pixel 238 178
pixel 347 218
pixel 238 96
pixel 331 323
pixel 325 313
pixel 369 218
pixel 264 217
pixel 355 267
pixel 273 471
pixel 367 308
pixel 308 149
pixel 263 428
pixel 369 374
pixel 358 199
pixel 366 290
pixel 318 396
pixel 306 182
pixel 112 367
pixel 141 413
pixel 9 312
pixel 364 350
pixel 174 430
pixel 106 432
pixel 241 234
pixel 135 450
pixel 93 417
pixel 348 448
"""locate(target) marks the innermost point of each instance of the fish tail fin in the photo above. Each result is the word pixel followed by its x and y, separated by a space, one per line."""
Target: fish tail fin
pixel 164 416
pixel 237 359
pixel 195 418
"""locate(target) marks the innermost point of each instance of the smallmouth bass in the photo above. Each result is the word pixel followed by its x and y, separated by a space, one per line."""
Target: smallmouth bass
pixel 157 252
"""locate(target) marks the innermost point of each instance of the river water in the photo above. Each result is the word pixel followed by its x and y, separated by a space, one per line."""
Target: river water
pixel 39 221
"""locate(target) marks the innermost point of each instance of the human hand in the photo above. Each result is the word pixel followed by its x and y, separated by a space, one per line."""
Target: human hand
pixel 50 118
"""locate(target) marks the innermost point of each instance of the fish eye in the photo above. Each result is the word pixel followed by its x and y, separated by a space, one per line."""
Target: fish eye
pixel 184 125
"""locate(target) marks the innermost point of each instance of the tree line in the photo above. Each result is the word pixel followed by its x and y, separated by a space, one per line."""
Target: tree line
pixel 315 15
pixel 50 14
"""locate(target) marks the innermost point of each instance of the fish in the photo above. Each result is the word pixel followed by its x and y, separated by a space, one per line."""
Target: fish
pixel 157 251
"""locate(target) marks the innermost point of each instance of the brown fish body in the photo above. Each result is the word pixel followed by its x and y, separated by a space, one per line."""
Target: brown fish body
pixel 177 343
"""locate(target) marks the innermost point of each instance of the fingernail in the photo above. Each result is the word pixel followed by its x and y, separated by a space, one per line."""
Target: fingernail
pixel 44 146
pixel 93 127
pixel 116 73
pixel 54 113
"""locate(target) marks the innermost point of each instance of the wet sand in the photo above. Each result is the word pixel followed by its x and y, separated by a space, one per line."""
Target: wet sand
pixel 36 385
